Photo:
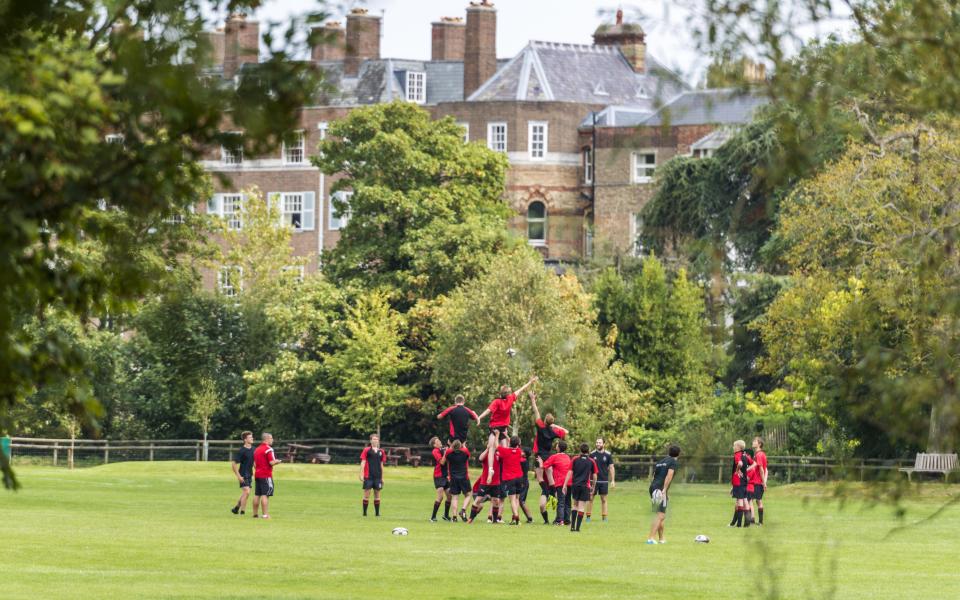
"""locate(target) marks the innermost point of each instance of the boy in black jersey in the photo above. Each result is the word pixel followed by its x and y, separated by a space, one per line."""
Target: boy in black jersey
pixel 372 460
pixel 243 469
pixel 547 432
pixel 663 474
pixel 581 478
pixel 605 478
pixel 459 419
pixel 441 480
pixel 456 460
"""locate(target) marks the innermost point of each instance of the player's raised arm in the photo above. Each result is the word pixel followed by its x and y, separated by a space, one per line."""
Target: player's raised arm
pixel 526 385
pixel 533 403
pixel 483 415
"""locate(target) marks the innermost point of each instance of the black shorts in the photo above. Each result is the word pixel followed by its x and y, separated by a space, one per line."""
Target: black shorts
pixel 460 485
pixel 372 484
pixel 757 492
pixel 543 455
pixel 603 488
pixel 457 436
pixel 524 489
pixel 264 487
pixel 441 483
pixel 739 492
pixel 514 486
pixel 580 493
pixel 246 482
pixel 500 432
pixel 494 491
pixel 545 489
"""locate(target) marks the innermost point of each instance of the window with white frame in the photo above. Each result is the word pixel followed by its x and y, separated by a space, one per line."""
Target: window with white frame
pixel 233 211
pixel 497 137
pixel 588 165
pixel 339 217
pixel 174 220
pixel 416 87
pixel 293 274
pixel 537 139
pixel 644 164
pixel 114 138
pixel 466 131
pixel 537 223
pixel 293 149
pixel 636 230
pixel 231 153
pixel 296 209
pixel 703 152
pixel 230 280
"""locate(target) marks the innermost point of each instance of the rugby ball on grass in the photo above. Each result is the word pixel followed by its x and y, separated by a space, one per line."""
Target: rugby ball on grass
pixel 400 531
pixel 702 539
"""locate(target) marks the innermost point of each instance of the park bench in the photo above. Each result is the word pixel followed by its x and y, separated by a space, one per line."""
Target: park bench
pixel 932 463
pixel 293 450
pixel 320 457
pixel 395 455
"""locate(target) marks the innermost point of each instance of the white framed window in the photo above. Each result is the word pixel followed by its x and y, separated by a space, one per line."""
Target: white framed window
pixel 537 139
pixel 229 207
pixel 174 220
pixel 340 217
pixel 466 131
pixel 297 209
pixel 636 229
pixel 232 153
pixel 416 87
pixel 114 138
pixel 497 137
pixel 703 152
pixel 537 224
pixel 230 280
pixel 588 165
pixel 293 149
pixel 293 274
pixel 643 164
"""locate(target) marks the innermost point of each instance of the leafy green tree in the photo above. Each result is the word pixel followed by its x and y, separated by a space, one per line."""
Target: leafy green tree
pixel 426 210
pixel 70 73
pixel 205 402
pixel 368 365
pixel 548 320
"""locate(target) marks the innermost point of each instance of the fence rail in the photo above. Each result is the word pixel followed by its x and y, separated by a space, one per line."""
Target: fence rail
pixel 71 453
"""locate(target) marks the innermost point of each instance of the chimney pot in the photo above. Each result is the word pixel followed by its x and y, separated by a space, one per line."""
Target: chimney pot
pixel 362 40
pixel 629 37
pixel 447 39
pixel 331 44
pixel 480 46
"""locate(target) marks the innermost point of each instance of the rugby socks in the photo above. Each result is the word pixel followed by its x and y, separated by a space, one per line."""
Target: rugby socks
pixel 436 507
pixel 376 507
pixel 365 503
pixel 473 512
pixel 760 515
pixel 546 517
pixel 446 510
pixel 604 516
pixel 736 513
pixel 579 519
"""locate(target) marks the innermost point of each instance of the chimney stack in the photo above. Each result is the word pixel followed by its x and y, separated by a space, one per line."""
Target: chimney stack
pixel 214 42
pixel 363 40
pixel 480 46
pixel 331 43
pixel 241 43
pixel 447 39
pixel 629 37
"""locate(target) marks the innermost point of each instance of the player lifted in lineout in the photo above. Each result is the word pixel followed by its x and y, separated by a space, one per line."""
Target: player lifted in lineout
pixel 499 411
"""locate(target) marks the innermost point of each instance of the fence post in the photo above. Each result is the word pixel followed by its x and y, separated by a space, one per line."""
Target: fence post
pixel 106 451
pixel 151 451
pixel 720 472
pixel 70 455
pixel 789 471
pixel 56 448
pixel 198 451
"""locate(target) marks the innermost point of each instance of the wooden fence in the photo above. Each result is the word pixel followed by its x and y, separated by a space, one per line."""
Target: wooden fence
pixel 71 453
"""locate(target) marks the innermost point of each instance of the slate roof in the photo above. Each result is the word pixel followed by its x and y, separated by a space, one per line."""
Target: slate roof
pixel 580 73
pixel 719 107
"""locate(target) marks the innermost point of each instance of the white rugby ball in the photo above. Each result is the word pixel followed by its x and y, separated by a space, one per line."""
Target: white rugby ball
pixel 702 539
pixel 511 352
pixel 400 531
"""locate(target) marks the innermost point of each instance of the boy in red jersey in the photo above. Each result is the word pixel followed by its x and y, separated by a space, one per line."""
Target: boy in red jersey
pixel 556 468
pixel 758 476
pixel 738 483
pixel 263 461
pixel 512 475
pixel 486 488
pixel 580 479
pixel 547 432
pixel 372 460
pixel 499 411
pixel 441 481
pixel 459 419
pixel 456 459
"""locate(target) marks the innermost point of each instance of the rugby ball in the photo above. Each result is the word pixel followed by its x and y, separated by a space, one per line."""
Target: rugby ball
pixel 702 539
pixel 511 352
pixel 400 531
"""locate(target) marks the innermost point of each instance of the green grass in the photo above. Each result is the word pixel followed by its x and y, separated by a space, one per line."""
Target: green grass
pixel 163 530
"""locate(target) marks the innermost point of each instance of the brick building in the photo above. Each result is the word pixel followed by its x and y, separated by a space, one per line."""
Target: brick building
pixel 583 125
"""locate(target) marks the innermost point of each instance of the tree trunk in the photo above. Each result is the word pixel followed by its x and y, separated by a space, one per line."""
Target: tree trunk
pixel 206 446
pixel 943 425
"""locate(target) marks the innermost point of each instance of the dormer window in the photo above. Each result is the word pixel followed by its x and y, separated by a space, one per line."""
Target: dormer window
pixel 599 90
pixel 642 92
pixel 416 87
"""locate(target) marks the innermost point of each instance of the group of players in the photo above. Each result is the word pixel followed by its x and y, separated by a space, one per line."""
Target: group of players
pixel 748 481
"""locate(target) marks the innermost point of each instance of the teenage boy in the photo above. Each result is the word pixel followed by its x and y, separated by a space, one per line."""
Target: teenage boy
pixel 547 432
pixel 556 468
pixel 459 417
pixel 242 465
pixel 263 461
pixel 372 460
pixel 441 482
pixel 580 479
pixel 456 459
pixel 525 467
pixel 663 473
pixel 605 478
pixel 512 475
pixel 499 411
pixel 738 483
pixel 759 478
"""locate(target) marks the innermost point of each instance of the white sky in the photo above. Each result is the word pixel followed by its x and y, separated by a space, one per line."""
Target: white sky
pixel 406 24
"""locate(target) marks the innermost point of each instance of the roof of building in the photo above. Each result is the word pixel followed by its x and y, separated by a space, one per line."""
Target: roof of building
pixel 714 139
pixel 719 106
pixel 581 73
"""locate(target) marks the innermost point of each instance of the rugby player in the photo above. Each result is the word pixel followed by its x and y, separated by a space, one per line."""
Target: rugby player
pixel 547 431
pixel 738 483
pixel 499 411
pixel 456 459
pixel 663 473
pixel 263 460
pixel 372 460
pixel 242 465
pixel 459 418
pixel 759 477
pixel 512 475
pixel 556 467
pixel 605 479
pixel 580 479
pixel 441 481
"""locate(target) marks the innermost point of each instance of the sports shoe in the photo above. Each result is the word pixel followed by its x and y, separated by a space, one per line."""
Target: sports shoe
pixel 265 517
pixel 433 519
pixel 651 543
pixel 446 518
pixel 529 520
pixel 235 510
pixel 454 519
pixel 463 515
pixel 663 541
pixel 604 519
pixel 256 516
pixel 587 519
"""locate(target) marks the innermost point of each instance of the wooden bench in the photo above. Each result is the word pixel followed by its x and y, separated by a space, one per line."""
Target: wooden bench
pixel 319 457
pixel 293 450
pixel 932 463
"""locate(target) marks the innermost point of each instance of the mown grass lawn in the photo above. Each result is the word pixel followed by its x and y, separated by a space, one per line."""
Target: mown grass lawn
pixel 163 530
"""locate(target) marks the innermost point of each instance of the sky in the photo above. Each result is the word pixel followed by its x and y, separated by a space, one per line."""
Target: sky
pixel 407 23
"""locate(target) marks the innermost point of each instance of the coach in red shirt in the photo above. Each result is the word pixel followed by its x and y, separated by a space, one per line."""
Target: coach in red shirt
pixel 263 461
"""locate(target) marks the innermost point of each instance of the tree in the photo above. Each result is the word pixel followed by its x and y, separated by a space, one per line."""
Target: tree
pixel 867 330
pixel 368 365
pixel 548 319
pixel 425 211
pixel 205 402
pixel 70 73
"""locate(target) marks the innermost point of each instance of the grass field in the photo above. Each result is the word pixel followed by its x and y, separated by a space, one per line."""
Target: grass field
pixel 163 530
